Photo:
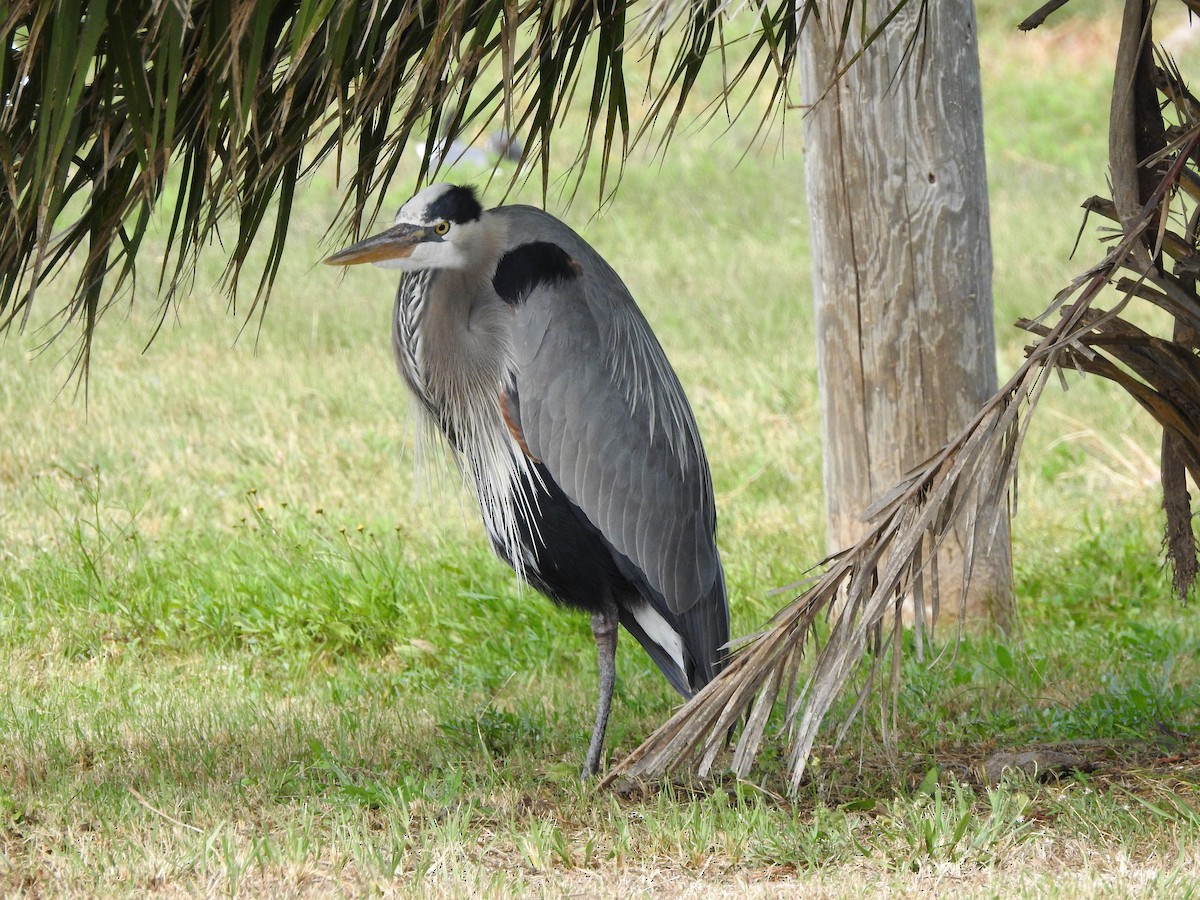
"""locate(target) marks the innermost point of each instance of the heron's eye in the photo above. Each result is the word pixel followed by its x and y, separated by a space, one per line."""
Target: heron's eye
pixel 441 228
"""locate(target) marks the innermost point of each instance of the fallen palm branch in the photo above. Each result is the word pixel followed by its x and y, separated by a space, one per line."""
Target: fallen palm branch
pixel 970 480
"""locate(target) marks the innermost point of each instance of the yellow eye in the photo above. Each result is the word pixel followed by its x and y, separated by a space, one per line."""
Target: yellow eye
pixel 441 228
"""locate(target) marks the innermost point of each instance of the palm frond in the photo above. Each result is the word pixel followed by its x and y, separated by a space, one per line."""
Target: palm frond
pixel 111 108
pixel 972 479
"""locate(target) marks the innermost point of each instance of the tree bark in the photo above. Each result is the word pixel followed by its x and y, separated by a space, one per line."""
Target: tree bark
pixel 897 195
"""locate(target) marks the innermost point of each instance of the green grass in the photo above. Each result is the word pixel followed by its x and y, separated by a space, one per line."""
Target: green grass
pixel 248 649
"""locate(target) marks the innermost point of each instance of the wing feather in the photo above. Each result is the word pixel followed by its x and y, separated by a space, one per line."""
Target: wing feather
pixel 601 406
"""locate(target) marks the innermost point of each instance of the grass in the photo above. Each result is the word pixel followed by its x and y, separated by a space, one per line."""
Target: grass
pixel 246 650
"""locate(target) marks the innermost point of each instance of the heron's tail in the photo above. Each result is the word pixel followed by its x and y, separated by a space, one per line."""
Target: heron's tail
pixel 690 647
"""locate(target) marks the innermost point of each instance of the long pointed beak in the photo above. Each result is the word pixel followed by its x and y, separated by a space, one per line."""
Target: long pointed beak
pixel 395 243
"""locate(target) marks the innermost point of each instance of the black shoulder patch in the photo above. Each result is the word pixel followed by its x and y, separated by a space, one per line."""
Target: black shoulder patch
pixel 457 205
pixel 525 267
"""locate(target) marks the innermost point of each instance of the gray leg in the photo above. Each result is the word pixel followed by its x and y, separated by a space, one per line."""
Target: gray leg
pixel 604 630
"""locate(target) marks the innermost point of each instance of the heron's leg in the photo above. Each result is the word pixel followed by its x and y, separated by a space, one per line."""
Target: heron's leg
pixel 604 630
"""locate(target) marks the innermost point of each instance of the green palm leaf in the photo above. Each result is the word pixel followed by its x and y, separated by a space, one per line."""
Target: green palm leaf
pixel 216 109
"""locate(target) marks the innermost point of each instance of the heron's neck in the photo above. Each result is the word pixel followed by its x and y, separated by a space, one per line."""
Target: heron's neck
pixel 458 341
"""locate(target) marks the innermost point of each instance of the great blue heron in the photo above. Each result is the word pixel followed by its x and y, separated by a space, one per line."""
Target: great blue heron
pixel 529 354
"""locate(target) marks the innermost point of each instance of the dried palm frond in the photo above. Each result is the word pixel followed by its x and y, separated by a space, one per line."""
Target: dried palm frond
pixel 967 483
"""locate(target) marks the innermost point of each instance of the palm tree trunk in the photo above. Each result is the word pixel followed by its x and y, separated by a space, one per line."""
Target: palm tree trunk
pixel 897 197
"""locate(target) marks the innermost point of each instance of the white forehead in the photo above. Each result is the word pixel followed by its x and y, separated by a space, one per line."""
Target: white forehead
pixel 415 210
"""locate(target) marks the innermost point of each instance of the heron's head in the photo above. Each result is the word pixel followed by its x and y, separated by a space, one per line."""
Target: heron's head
pixel 434 230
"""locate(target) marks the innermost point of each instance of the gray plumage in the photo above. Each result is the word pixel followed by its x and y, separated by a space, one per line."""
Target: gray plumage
pixel 529 354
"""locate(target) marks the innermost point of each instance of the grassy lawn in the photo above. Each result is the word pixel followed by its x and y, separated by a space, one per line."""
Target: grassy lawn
pixel 249 646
